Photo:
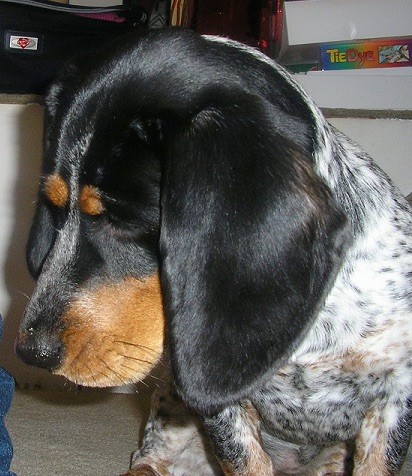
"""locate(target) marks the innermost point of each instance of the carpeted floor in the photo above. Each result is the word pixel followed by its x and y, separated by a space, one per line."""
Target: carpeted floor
pixel 74 433
pixel 79 433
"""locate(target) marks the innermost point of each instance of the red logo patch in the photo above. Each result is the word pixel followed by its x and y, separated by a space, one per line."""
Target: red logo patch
pixel 23 42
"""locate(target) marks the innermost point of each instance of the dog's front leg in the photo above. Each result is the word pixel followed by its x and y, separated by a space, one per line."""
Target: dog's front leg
pixel 235 437
pixel 143 470
pixel 383 441
pixel 173 442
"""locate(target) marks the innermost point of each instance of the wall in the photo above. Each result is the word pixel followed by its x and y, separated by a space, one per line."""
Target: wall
pixel 388 142
pixel 20 152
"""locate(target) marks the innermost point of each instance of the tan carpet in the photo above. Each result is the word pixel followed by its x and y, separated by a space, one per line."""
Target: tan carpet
pixel 74 433
pixel 79 433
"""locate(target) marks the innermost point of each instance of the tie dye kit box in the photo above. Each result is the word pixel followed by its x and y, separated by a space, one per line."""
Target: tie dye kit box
pixel 368 54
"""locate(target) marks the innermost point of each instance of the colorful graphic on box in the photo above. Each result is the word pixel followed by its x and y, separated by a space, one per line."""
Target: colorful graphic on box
pixel 368 54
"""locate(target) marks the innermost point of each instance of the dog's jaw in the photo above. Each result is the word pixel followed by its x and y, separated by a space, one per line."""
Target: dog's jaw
pixel 113 335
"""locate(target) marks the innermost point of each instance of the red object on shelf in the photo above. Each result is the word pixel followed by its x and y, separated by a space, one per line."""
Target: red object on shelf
pixel 254 22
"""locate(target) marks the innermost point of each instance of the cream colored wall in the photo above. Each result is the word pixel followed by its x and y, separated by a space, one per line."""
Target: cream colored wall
pixel 387 141
pixel 20 152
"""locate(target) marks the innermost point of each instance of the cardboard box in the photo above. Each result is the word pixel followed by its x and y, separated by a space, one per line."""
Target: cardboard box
pixel 309 24
pixel 386 53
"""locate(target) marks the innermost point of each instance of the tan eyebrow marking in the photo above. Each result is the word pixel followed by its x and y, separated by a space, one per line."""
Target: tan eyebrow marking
pixel 56 190
pixel 90 201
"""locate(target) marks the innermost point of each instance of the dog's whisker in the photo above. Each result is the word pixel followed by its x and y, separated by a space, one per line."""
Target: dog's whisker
pixel 136 359
pixel 91 373
pixel 133 372
pixel 114 372
pixel 139 346
pixel 158 379
pixel 24 294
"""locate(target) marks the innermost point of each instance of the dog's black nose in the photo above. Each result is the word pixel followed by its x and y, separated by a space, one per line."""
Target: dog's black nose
pixel 39 350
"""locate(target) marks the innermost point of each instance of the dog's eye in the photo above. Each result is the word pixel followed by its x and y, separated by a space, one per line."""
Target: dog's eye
pixel 130 223
pixel 120 229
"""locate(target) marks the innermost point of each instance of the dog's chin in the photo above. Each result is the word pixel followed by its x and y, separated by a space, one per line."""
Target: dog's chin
pixel 114 334
pixel 104 376
pixel 109 368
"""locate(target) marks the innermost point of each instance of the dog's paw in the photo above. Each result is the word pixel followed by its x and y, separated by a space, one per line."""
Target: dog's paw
pixel 142 470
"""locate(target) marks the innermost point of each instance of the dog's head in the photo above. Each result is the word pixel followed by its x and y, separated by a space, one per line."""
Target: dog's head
pixel 178 197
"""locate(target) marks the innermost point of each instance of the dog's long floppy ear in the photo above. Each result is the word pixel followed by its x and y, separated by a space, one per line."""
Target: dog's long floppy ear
pixel 44 227
pixel 42 235
pixel 41 238
pixel 251 240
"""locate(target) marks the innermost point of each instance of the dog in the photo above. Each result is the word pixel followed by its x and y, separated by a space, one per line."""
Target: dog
pixel 196 211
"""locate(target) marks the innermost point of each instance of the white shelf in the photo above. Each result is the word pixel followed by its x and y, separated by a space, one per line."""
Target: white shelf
pixel 311 23
pixel 324 21
pixel 370 89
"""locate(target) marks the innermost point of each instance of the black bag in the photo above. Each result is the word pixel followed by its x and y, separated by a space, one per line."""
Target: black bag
pixel 39 36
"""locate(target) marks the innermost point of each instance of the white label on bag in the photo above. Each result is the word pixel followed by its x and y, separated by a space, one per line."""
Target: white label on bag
pixel 24 43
